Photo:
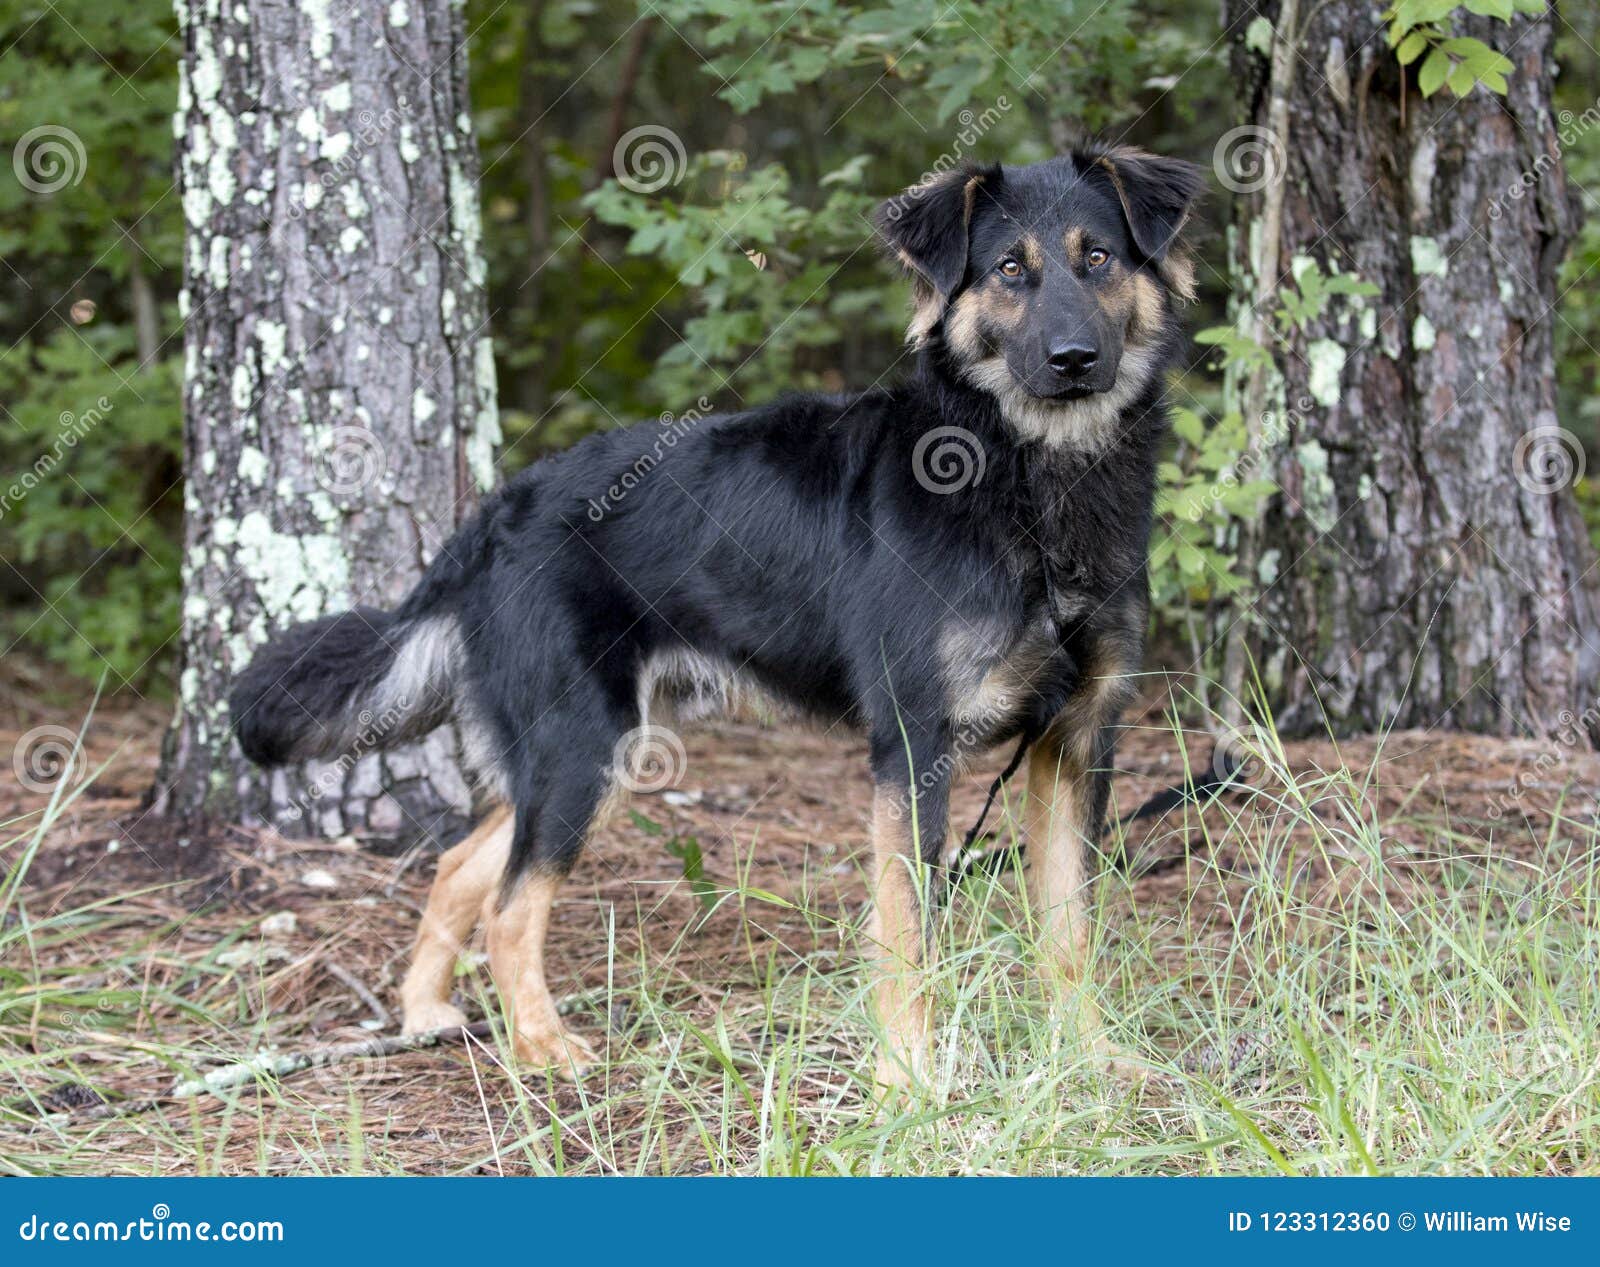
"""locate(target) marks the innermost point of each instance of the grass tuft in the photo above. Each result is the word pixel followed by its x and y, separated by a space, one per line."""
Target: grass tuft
pixel 1324 973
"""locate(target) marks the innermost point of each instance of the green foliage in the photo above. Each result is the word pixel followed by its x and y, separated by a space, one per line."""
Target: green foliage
pixel 1205 489
pixel 1422 29
pixel 752 270
pixel 1308 298
pixel 757 307
pixel 686 849
pixel 91 235
pixel 950 56
pixel 1577 325
pixel 1218 479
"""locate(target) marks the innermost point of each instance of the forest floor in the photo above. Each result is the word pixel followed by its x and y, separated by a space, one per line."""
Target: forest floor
pixel 1374 958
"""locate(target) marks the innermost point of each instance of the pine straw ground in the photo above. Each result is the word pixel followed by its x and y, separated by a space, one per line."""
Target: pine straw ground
pixel 1373 960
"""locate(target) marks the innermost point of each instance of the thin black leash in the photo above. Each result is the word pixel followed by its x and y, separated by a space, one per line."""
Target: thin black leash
pixel 1028 735
pixel 994 790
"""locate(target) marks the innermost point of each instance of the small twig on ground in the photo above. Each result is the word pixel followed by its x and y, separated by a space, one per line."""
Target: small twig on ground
pixel 285 1064
pixel 282 1065
pixel 353 983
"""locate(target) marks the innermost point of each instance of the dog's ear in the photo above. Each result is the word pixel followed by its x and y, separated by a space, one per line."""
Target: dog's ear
pixel 927 227
pixel 1157 195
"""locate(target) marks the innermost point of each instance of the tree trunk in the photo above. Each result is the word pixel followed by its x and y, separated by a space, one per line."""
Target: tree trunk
pixel 339 403
pixel 1424 562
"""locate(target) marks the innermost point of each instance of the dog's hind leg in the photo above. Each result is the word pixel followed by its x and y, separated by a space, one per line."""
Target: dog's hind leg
pixel 544 849
pixel 464 878
pixel 517 933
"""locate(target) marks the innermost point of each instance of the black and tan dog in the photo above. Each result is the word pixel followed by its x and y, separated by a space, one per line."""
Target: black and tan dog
pixel 949 564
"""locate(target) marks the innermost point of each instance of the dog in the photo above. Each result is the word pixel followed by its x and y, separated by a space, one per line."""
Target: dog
pixel 948 564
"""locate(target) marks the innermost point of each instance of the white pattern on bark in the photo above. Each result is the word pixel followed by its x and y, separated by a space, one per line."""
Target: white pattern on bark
pixel 339 397
pixel 1409 577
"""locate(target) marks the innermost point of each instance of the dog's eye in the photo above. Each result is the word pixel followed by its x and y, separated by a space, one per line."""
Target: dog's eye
pixel 1009 267
pixel 1096 257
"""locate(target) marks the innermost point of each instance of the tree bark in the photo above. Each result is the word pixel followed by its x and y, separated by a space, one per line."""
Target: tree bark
pixel 339 401
pixel 1424 563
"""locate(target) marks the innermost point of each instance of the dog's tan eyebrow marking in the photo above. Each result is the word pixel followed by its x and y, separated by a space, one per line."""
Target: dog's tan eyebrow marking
pixel 1072 241
pixel 1031 252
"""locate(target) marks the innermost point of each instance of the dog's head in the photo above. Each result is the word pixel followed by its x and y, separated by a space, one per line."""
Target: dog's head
pixel 1050 286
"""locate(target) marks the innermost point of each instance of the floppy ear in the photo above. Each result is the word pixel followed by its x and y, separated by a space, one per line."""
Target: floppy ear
pixel 927 227
pixel 1156 195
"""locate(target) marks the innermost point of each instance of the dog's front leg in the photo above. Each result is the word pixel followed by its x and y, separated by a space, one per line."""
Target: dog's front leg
pixel 1065 804
pixel 901 866
pixel 1069 786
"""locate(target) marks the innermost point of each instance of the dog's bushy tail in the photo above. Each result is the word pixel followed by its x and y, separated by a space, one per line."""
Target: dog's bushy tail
pixel 365 678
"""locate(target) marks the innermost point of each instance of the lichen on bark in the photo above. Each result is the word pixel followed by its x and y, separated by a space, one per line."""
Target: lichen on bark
pixel 339 395
pixel 1421 581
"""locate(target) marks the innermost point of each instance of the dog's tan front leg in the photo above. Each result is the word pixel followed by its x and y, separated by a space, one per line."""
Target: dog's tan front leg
pixel 897 934
pixel 1059 807
pixel 466 875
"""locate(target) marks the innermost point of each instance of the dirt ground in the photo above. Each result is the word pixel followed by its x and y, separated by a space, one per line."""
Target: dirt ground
pixel 317 934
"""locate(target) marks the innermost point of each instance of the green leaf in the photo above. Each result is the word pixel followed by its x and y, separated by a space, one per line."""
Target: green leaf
pixel 1188 426
pixel 1411 47
pixel 1435 70
pixel 1462 80
pixel 687 850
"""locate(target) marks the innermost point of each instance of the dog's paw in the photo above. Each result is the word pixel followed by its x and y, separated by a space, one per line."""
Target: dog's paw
pixel 898 1079
pixel 560 1051
pixel 1122 1064
pixel 424 1018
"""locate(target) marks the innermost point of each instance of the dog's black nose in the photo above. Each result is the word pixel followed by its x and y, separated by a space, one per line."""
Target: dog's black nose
pixel 1072 359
